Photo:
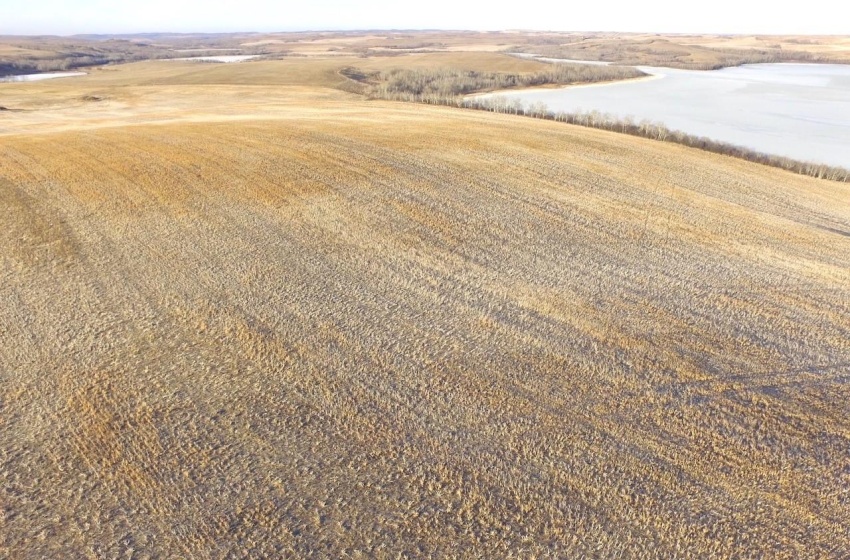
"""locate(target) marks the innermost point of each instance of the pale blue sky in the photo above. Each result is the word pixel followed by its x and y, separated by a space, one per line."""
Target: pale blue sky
pixel 718 16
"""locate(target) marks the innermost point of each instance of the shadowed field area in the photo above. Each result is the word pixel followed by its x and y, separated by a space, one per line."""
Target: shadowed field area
pixel 245 313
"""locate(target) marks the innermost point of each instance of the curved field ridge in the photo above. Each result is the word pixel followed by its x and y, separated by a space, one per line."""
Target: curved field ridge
pixel 367 329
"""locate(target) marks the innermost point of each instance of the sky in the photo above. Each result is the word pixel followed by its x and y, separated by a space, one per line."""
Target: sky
pixel 67 17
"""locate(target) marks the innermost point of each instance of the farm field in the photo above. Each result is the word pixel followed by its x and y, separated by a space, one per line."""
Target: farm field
pixel 246 312
pixel 24 55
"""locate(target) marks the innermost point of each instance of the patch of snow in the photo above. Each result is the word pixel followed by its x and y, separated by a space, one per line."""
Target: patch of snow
pixel 39 77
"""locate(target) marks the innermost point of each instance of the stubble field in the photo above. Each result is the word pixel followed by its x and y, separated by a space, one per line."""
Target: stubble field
pixel 248 314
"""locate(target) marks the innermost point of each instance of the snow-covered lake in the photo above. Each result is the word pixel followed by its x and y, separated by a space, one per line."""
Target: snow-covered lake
pixel 222 58
pixel 562 60
pixel 205 50
pixel 39 77
pixel 796 110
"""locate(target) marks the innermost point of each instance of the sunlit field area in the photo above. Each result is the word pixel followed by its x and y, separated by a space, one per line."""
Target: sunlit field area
pixel 251 310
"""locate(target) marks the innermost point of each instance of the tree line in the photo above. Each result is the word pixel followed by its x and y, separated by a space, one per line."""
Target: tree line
pixel 452 87
pixel 446 85
pixel 654 131
pixel 649 54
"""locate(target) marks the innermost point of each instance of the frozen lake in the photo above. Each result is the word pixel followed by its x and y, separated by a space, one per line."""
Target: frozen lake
pixel 222 58
pixel 205 50
pixel 562 60
pixel 39 77
pixel 796 110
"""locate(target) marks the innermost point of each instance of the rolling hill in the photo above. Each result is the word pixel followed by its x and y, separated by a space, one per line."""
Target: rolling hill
pixel 247 314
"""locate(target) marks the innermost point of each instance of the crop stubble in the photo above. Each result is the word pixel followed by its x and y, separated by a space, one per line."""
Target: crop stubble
pixel 369 328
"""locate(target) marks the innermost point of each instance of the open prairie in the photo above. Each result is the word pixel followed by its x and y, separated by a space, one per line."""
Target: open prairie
pixel 22 55
pixel 245 312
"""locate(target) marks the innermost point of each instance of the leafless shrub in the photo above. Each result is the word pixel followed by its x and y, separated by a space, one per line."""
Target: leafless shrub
pixel 657 131
pixel 68 54
pixel 448 86
pixel 670 55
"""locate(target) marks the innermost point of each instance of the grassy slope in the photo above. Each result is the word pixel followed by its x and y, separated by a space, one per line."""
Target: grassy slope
pixel 24 54
pixel 295 321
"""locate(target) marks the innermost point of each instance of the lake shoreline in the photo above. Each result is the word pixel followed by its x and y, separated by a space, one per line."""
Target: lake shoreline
pixel 799 111
pixel 38 77
pixel 556 87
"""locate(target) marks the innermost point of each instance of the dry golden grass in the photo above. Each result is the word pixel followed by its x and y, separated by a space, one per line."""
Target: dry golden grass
pixel 692 52
pixel 693 48
pixel 459 49
pixel 836 44
pixel 244 315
